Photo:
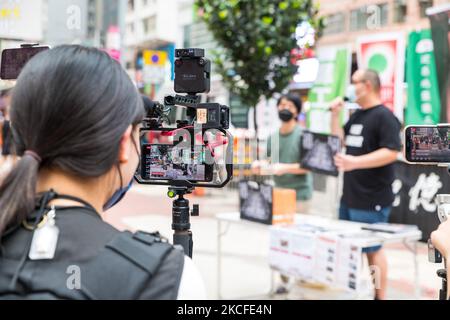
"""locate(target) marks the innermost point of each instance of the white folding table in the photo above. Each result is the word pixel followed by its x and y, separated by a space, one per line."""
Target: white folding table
pixel 409 239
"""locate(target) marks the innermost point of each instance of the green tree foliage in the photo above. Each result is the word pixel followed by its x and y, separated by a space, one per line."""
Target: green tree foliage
pixel 255 39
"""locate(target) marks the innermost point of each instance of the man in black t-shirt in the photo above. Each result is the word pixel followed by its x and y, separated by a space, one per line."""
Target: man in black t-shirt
pixel 372 140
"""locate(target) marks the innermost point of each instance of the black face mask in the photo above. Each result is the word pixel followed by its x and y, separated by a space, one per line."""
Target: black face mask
pixel 285 115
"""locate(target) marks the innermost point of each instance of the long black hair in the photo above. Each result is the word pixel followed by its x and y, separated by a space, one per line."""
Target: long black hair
pixel 70 106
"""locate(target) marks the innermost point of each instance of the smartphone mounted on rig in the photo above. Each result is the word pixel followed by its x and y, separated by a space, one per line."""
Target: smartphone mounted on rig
pixel 13 60
pixel 196 151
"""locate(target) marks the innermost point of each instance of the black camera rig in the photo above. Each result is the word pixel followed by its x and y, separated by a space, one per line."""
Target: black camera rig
pixel 209 120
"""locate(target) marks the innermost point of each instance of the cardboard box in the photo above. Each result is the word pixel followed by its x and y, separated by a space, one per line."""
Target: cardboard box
pixel 313 253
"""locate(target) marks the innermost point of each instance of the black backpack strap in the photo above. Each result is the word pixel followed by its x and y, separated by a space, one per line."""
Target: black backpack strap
pixel 131 247
pixel 130 266
pixel 125 266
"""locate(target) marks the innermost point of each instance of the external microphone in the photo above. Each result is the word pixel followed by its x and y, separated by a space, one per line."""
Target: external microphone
pixel 348 104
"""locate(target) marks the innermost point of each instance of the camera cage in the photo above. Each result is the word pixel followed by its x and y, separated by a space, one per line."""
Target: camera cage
pixel 179 188
pixel 200 117
pixel 228 165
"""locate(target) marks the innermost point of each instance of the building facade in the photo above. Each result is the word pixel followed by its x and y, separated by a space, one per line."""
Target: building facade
pixel 352 18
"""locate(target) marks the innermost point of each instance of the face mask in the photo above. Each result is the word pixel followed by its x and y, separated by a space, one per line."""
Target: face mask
pixel 350 93
pixel 120 193
pixel 117 196
pixel 285 115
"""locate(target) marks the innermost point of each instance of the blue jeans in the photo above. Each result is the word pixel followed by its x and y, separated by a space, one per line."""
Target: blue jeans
pixel 365 216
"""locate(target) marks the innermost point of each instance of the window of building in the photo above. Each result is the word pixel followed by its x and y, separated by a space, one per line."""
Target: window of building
pixel 187 36
pixel 149 24
pixel 369 17
pixel 384 14
pixel 423 6
pixel 130 5
pixel 357 19
pixel 400 9
pixel 334 23
pixel 130 28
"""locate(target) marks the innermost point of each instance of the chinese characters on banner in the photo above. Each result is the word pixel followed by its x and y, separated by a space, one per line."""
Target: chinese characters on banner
pixel 385 53
pixel 423 91
pixel 415 190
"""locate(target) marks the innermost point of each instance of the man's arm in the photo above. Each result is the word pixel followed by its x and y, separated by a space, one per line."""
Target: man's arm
pixel 335 108
pixel 288 168
pixel 441 241
pixel 375 159
pixel 278 169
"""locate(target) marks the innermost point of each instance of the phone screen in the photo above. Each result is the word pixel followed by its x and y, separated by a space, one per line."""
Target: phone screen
pixel 427 144
pixel 168 162
pixel 13 60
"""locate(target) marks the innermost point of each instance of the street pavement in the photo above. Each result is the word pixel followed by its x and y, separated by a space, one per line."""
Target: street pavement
pixel 245 271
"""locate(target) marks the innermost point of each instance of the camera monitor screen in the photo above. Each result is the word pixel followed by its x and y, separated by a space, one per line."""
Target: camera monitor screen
pixel 13 60
pixel 167 162
pixel 427 144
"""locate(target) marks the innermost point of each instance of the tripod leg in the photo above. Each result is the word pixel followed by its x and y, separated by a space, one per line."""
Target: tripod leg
pixel 442 273
pixel 184 238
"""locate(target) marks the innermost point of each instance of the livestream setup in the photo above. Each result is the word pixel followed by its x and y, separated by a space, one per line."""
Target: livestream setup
pixel 196 151
pixel 186 155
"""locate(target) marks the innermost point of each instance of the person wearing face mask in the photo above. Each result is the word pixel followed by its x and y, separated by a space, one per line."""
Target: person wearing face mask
pixel 75 118
pixel 5 97
pixel 372 140
pixel 287 173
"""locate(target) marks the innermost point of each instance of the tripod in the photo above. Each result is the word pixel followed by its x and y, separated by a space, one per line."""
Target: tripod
pixel 181 225
pixel 442 273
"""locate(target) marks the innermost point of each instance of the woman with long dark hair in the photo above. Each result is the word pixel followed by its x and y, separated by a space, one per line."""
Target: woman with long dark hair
pixel 74 121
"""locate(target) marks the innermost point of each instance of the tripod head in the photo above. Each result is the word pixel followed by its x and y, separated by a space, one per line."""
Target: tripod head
pixel 181 213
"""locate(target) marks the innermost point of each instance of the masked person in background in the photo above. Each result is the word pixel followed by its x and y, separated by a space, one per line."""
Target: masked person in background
pixel 372 140
pixel 287 173
pixel 5 97
pixel 74 119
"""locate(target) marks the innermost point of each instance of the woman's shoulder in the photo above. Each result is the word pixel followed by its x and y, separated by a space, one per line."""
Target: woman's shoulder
pixel 192 286
pixel 136 265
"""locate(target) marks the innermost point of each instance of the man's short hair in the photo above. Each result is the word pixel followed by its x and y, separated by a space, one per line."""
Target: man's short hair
pixel 373 77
